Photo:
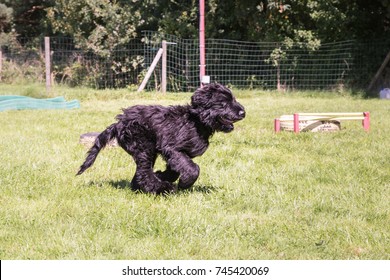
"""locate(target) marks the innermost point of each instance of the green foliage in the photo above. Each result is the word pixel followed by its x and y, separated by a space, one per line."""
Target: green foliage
pixel 77 74
pixel 99 26
pixel 302 39
pixel 386 5
pixel 26 72
pixel 29 17
pixel 7 32
pixel 260 195
pixel 6 16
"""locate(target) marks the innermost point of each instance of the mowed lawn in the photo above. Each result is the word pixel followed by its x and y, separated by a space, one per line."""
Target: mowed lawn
pixel 260 195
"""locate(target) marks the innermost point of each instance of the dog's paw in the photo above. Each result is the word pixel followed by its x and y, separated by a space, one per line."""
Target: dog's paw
pixel 160 188
pixel 167 175
pixel 168 188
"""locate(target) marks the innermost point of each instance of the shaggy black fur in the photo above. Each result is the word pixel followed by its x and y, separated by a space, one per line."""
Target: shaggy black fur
pixel 177 133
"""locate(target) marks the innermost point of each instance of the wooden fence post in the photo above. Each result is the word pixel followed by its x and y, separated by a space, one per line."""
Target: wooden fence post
pixel 47 64
pixel 164 67
pixel 1 63
pixel 150 70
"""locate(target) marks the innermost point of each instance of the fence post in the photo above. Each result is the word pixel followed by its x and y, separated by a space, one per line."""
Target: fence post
pixel 202 41
pixel 47 64
pixel 164 68
pixel 1 63
pixel 150 70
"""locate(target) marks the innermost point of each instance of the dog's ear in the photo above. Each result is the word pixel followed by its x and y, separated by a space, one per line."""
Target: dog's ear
pixel 202 96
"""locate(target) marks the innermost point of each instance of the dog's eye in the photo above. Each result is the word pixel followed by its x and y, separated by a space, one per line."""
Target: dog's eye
pixel 228 98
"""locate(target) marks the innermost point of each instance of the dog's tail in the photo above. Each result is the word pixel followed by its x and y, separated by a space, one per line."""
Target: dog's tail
pixel 100 142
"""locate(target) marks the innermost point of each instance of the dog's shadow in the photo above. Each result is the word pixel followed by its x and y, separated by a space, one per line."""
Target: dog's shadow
pixel 120 185
pixel 124 184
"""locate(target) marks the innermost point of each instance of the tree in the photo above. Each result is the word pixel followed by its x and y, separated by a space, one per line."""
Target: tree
pixel 274 20
pixel 97 25
pixel 7 31
pixel 175 17
pixel 338 20
pixel 106 23
pixel 5 18
pixel 386 5
pixel 102 24
pixel 29 17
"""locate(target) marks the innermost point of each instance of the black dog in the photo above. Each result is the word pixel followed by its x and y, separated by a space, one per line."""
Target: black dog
pixel 177 133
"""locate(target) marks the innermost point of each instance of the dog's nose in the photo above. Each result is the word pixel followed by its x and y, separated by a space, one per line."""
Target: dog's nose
pixel 241 113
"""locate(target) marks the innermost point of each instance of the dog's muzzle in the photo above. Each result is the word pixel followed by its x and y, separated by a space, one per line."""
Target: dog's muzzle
pixel 227 122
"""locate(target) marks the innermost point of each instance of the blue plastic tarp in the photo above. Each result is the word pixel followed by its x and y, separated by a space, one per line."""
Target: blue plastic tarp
pixel 18 102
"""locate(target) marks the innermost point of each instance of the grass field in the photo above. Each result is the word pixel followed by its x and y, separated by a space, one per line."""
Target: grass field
pixel 260 195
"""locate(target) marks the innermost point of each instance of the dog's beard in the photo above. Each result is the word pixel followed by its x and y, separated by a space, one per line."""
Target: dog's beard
pixel 226 125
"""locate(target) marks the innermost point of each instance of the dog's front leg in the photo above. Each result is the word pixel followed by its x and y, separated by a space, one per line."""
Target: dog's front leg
pixel 168 175
pixel 182 164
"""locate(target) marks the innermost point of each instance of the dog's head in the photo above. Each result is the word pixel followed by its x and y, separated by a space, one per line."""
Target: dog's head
pixel 216 107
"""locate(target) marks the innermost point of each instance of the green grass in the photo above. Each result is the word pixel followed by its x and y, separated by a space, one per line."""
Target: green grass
pixel 260 195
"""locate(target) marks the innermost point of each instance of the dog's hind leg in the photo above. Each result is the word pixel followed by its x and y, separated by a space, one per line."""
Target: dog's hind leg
pixel 138 143
pixel 136 179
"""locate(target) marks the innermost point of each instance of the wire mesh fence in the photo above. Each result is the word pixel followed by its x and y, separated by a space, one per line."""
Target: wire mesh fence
pixel 255 65
pixel 269 65
pixel 22 60
pixel 77 67
pixel 252 65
